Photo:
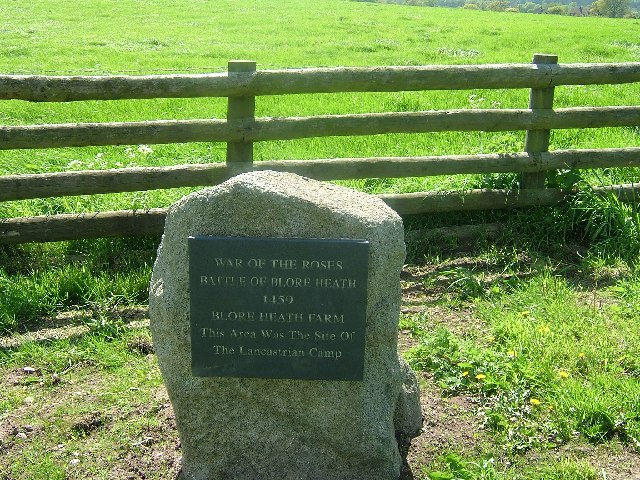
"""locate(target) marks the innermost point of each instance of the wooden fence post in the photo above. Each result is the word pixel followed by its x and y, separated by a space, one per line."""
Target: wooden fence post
pixel 240 154
pixel 538 140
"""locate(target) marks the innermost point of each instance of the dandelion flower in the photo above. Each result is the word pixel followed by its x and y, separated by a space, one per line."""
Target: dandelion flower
pixel 511 353
pixel 563 374
pixel 581 355
pixel 481 376
pixel 544 329
pixel 535 402
pixel 465 373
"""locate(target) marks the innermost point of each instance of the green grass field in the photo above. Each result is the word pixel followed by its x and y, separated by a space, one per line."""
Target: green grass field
pixel 164 37
pixel 528 345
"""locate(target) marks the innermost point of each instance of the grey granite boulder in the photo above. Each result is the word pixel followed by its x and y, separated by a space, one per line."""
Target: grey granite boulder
pixel 255 428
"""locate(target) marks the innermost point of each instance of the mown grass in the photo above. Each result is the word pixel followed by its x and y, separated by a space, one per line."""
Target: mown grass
pixel 555 363
pixel 89 404
pixel 203 36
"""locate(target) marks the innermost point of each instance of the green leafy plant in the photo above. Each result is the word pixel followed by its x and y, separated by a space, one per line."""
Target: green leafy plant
pixel 460 469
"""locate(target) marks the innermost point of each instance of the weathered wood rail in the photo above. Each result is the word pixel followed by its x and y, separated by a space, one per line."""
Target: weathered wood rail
pixel 35 88
pixel 242 84
pixel 264 129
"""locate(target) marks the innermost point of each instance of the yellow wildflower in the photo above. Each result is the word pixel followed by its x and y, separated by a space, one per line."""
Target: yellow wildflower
pixel 465 373
pixel 581 355
pixel 525 313
pixel 511 353
pixel 544 329
pixel 535 402
pixel 563 374
pixel 481 376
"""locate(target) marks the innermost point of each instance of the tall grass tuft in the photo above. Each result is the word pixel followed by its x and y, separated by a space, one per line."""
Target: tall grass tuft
pixel 91 275
pixel 609 225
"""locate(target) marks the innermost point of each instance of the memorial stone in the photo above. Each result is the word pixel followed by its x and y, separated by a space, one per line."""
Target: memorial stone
pixel 274 306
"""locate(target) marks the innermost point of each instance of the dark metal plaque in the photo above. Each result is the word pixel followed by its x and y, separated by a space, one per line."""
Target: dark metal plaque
pixel 278 307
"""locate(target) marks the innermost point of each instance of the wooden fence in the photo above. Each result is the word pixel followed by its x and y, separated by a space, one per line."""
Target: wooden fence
pixel 242 84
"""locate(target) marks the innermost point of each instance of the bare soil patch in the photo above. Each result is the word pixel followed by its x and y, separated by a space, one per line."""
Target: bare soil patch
pixel 449 425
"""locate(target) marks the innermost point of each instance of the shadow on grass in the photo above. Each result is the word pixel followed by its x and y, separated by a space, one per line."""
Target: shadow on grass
pixel 74 325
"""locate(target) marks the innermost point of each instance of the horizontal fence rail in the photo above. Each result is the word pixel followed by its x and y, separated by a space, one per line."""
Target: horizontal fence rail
pixel 90 182
pixel 242 84
pixel 38 88
pixel 264 129
pixel 52 228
